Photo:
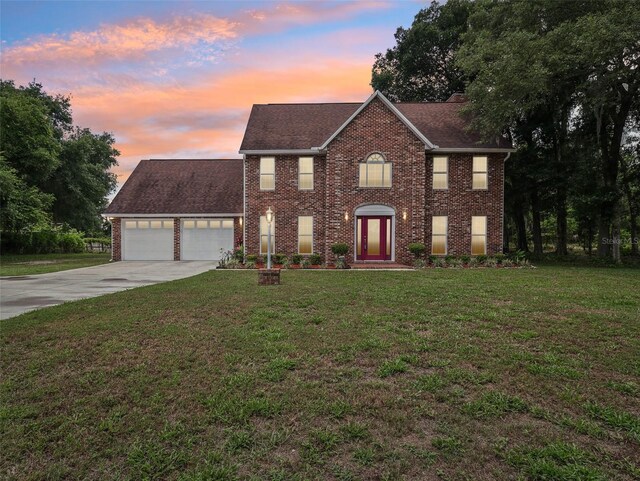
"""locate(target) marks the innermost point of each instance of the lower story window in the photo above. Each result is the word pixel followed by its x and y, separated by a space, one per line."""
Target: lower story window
pixel 478 235
pixel 264 233
pixel 439 235
pixel 305 234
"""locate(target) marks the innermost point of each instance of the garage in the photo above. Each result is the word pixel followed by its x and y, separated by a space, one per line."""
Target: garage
pixel 205 239
pixel 147 240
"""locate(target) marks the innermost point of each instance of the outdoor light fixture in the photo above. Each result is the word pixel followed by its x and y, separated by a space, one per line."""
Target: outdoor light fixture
pixel 269 217
pixel 240 221
pixel 404 214
pixel 346 216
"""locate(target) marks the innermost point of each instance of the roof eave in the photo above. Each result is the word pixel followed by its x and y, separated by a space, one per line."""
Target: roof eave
pixel 311 151
pixel 472 149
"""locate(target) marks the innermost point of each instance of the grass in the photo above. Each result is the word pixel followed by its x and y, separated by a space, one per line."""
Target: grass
pixel 440 374
pixel 25 265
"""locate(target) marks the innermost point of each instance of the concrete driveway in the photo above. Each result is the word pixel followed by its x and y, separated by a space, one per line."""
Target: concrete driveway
pixel 25 293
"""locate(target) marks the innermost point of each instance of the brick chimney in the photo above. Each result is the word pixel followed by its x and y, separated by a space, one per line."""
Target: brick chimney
pixel 458 98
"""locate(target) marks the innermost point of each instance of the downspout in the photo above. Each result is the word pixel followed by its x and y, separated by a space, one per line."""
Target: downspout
pixel 504 162
pixel 244 207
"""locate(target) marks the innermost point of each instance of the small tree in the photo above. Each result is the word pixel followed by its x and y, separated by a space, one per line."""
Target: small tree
pixel 417 249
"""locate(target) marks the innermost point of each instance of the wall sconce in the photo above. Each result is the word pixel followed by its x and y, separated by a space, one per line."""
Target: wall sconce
pixel 240 221
pixel 404 214
pixel 346 216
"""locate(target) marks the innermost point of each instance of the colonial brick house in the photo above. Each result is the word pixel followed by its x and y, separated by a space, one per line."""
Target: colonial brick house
pixel 376 175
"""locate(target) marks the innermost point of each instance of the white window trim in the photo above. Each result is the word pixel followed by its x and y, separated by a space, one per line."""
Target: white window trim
pixel 383 163
pixel 485 172
pixel 271 174
pixel 445 235
pixel 312 173
pixel 486 228
pixel 273 236
pixel 446 172
pixel 313 221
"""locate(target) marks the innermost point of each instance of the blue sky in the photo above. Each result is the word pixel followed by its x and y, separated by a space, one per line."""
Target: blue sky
pixel 178 78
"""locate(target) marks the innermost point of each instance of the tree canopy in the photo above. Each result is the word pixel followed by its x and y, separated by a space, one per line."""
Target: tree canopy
pixel 562 79
pixel 50 170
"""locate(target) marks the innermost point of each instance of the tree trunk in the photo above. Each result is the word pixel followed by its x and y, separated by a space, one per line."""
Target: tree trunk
pixel 521 229
pixel 633 226
pixel 561 224
pixel 610 122
pixel 536 228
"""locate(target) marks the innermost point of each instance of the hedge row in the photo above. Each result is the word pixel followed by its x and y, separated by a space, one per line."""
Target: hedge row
pixel 42 242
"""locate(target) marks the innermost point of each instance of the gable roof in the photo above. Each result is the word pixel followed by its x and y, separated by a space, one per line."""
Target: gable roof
pixel 393 109
pixel 187 186
pixel 311 127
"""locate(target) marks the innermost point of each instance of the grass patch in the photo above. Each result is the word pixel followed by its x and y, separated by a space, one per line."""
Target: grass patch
pixel 26 265
pixel 555 462
pixel 454 374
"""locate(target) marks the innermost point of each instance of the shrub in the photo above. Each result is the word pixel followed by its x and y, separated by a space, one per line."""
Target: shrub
pixel 252 258
pixel 305 264
pixel 439 262
pixel 340 249
pixel 481 259
pixel 500 258
pixel 417 249
pixel 419 263
pixel 238 254
pixel 44 241
pixel 296 259
pixel 491 262
pixel 465 259
pixel 315 259
pixel 278 258
pixel 250 265
pixel 432 259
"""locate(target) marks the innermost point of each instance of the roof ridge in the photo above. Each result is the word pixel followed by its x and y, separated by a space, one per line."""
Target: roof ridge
pixel 190 160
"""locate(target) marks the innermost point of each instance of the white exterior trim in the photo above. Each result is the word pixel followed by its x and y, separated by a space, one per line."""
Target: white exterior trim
pixel 311 151
pixel 244 206
pixel 393 108
pixel 168 215
pixel 475 150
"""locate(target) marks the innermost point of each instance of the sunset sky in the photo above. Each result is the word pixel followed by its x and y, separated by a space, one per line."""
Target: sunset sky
pixel 177 79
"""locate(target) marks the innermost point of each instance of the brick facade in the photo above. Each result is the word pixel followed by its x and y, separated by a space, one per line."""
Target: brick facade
pixel 116 238
pixel 336 191
pixel 460 202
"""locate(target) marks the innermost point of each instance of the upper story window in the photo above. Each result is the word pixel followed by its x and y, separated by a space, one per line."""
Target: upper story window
pixel 267 173
pixel 441 172
pixel 480 173
pixel 375 172
pixel 305 173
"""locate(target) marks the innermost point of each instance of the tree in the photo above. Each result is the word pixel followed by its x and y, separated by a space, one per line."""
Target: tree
pixel 82 182
pixel 27 137
pixel 420 66
pixel 21 206
pixel 55 171
pixel 562 58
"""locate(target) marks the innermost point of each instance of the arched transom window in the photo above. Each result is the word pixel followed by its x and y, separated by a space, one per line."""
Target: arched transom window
pixel 375 171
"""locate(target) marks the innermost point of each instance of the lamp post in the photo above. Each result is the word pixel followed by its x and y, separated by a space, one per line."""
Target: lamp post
pixel 269 215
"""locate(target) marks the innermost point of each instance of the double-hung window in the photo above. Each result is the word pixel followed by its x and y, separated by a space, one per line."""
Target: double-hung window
pixel 264 232
pixel 440 172
pixel 480 173
pixel 305 173
pixel 305 234
pixel 478 235
pixel 267 173
pixel 375 172
pixel 439 235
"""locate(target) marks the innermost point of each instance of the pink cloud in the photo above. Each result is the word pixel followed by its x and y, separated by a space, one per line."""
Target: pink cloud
pixel 132 40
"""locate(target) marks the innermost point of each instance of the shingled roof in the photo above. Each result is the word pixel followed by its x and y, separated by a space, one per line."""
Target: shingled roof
pixel 306 126
pixel 190 186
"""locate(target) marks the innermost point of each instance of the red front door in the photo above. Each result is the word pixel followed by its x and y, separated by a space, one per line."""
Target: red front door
pixel 373 238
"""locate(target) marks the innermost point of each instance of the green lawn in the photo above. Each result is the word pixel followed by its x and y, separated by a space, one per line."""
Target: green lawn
pixel 24 265
pixel 436 374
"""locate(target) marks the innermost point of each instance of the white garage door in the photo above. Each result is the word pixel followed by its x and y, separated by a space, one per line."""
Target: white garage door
pixel 147 240
pixel 204 239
